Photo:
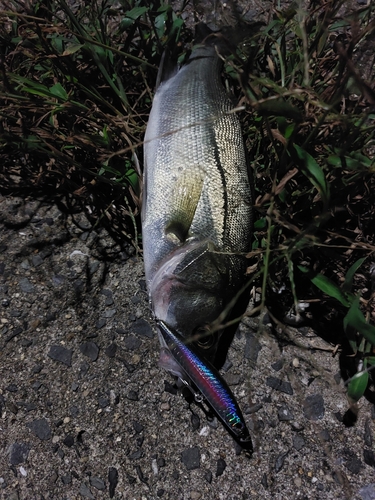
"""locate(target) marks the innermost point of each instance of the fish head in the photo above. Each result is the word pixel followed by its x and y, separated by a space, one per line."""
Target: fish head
pixel 188 292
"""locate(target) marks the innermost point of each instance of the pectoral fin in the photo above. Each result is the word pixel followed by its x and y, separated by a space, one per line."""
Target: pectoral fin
pixel 186 194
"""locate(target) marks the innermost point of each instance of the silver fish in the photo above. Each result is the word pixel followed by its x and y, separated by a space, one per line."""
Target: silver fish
pixel 197 204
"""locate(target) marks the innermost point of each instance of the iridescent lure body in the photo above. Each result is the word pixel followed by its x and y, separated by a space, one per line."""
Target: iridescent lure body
pixel 209 382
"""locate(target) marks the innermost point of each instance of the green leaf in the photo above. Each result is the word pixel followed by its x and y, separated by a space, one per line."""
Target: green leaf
pixel 355 319
pixel 330 288
pixel 260 223
pixel 313 171
pixel 131 16
pixel 350 275
pixel 59 91
pixel 357 385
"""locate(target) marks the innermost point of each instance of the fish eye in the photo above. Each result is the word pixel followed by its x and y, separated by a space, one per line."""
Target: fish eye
pixel 205 339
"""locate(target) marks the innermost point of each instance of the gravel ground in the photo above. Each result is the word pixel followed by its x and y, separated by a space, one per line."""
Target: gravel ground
pixel 87 413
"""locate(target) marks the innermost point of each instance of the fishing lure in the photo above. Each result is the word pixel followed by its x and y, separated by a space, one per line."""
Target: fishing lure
pixel 210 384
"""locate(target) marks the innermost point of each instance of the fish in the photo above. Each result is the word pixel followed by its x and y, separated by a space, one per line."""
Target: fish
pixel 196 222
pixel 197 199
pixel 195 372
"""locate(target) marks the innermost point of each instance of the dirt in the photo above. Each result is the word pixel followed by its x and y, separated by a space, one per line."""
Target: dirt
pixel 86 411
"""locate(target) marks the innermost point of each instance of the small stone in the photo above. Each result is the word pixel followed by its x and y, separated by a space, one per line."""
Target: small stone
pixel 113 480
pixel 40 427
pixel 324 435
pixel 136 455
pixel 160 462
pixel 279 464
pixel 141 327
pixel 220 467
pixel 285 414
pixel 279 385
pixel 208 476
pixel 195 495
pixel 195 421
pixel 313 407
pixel 18 453
pixel 100 323
pixel 298 442
pixel 69 441
pixel 369 457
pixel 109 313
pixel 97 483
pixel 66 479
pixel 138 427
pixel 368 492
pixel 103 401
pixel 61 354
pixel 26 286
pixel 11 388
pixel 36 260
pixel 110 351
pixel 90 350
pixel 191 458
pixel 278 365
pixel 27 406
pixel 160 492
pixel 132 395
pixel 252 349
pixel 132 342
pixel 86 492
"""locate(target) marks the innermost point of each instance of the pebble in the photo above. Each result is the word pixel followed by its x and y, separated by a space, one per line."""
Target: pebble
pixel 109 313
pixel 369 457
pixel 132 396
pixel 69 441
pixel 278 365
pixel 66 479
pixel 313 407
pixel 279 464
pixel 298 442
pixel 252 349
pixel 90 350
pixel 368 492
pixel 191 458
pixel 110 351
pixel 97 483
pixel 18 453
pixel 143 328
pixel 279 385
pixel 132 343
pixel 220 467
pixel 195 495
pixel 26 286
pixel 40 427
pixel 208 476
pixel 86 492
pixel 61 354
pixel 113 480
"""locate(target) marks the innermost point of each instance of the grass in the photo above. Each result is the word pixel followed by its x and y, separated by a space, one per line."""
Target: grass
pixel 75 93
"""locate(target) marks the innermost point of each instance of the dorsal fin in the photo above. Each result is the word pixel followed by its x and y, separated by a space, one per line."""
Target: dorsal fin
pixel 167 69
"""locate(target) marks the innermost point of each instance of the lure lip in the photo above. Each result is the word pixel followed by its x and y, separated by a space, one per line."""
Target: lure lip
pixel 201 374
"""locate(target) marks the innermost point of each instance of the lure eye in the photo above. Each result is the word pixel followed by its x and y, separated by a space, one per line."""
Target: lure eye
pixel 205 339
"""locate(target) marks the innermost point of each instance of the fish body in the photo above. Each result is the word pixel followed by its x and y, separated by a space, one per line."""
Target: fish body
pixel 197 372
pixel 197 206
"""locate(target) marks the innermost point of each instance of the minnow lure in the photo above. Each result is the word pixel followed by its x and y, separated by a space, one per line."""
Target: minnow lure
pixel 209 382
